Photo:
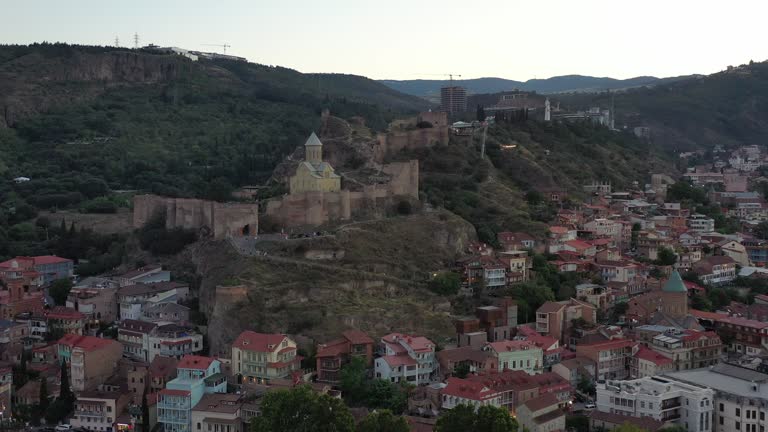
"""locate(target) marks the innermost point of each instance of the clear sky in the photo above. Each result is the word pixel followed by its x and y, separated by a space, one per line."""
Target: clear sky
pixel 411 39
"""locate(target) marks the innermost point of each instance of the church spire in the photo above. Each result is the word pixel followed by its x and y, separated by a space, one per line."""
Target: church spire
pixel 313 149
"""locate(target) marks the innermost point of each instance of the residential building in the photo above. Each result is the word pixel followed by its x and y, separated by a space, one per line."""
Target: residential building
pixel 161 371
pixel 335 354
pixel 555 318
pixel 132 298
pixel 99 410
pixel 688 349
pixel 91 360
pixel 165 313
pixel 716 270
pixel 195 377
pixel 149 274
pixel 647 362
pixel 478 361
pixel 63 320
pixel 98 303
pixel 606 421
pixel 218 412
pixel 36 323
pixel 453 99
pixel 517 355
pixel 749 337
pixel 406 358
pixel 741 396
pixel 459 391
pixel 701 223
pixel 260 357
pixel 665 399
pixel 172 340
pixel 134 336
pixel 575 369
pixel 757 251
pixel 6 390
pixel 515 241
pixel 49 267
pixel 612 358
pixel 487 270
pixel 518 265
pixel 541 414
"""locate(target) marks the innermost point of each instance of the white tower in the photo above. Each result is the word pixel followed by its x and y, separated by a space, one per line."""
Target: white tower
pixel 547 113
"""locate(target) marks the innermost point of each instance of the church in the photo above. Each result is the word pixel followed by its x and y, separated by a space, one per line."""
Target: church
pixel 666 307
pixel 312 174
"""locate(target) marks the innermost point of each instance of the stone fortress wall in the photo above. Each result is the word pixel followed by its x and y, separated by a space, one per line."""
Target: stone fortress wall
pixel 404 134
pixel 222 219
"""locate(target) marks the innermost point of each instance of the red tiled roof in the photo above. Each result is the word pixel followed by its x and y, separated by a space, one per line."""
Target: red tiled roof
pixel 467 389
pixel 399 360
pixel 652 356
pixel 195 362
pixel 259 342
pixel 578 244
pixel 357 337
pixel 744 322
pixel 169 392
pixel 417 343
pixel 86 343
pixel 49 259
pixel 617 343
pixel 541 402
pixel 63 312
pixel 558 229
pixel 706 315
pixel 332 348
pixel 509 346
pixel 550 307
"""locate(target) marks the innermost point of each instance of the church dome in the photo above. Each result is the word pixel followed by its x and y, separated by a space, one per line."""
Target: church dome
pixel 675 284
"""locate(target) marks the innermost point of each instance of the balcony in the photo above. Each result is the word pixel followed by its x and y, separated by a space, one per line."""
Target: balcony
pixel 95 414
pixel 667 405
pixel 177 419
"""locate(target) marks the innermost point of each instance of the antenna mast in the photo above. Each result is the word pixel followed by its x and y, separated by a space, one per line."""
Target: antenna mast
pixel 117 42
pixel 136 41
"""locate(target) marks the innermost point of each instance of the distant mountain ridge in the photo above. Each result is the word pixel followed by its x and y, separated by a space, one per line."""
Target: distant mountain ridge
pixel 558 84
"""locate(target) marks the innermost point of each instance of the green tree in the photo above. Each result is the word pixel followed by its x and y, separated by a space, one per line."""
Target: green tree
pixel 461 370
pixel 354 381
pixel 577 423
pixel 665 257
pixel 586 385
pixel 65 391
pixel 635 233
pixel 302 410
pixel 43 396
pixel 59 291
pixel 445 283
pixel 700 302
pixel 480 115
pixel 383 421
pixel 464 418
pixel 761 230
pixel 629 427
pixel 144 411
pixel 387 395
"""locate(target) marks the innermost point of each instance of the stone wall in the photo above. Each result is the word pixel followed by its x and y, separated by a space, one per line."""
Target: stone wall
pixel 318 208
pixel 221 219
pixel 394 141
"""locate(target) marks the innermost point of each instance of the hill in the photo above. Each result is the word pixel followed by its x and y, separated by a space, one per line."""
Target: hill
pixel 559 84
pixel 728 108
pixel 79 121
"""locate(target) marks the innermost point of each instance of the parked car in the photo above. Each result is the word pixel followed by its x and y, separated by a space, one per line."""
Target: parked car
pixel 589 405
pixel 63 428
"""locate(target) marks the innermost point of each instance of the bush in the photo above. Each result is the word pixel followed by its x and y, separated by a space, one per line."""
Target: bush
pixel 404 208
pixel 445 283
pixel 100 205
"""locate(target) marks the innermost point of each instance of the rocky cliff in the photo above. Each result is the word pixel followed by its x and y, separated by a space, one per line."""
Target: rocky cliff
pixel 376 284
pixel 33 82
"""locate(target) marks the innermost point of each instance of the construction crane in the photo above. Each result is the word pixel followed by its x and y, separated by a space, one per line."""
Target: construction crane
pixel 224 46
pixel 448 75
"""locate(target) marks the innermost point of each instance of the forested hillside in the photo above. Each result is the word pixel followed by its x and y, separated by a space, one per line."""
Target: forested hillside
pixel 728 108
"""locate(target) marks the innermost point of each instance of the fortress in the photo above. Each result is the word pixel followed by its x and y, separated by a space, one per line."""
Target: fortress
pixel 316 196
pixel 223 220
pixel 407 134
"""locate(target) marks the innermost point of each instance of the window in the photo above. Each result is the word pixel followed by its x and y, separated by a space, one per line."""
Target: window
pixel 738 425
pixel 738 412
pixel 762 415
pixel 722 408
pixel 199 426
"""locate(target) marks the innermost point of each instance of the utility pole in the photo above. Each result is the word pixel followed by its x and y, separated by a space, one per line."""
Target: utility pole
pixel 136 41
pixel 117 42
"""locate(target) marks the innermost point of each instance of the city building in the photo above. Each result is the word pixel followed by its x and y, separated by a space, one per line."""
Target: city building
pixel 647 362
pixel 517 355
pixel 260 357
pixel 166 313
pixel 335 354
pixel 48 267
pixel 161 371
pixel 218 412
pixel 406 358
pixel 453 99
pixel 99 410
pixel 749 337
pixel 195 377
pixel 665 399
pixel 134 336
pixel 541 414
pixel 612 358
pixel 132 298
pixel 741 396
pixel 91 360
pixel 701 223
pixel 716 270
pixel 555 318
pixel 172 340
pixel 688 349
pixel 63 320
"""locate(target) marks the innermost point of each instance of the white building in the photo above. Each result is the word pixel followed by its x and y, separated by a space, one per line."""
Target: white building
pixel 701 223
pixel 741 396
pixel 406 358
pixel 665 399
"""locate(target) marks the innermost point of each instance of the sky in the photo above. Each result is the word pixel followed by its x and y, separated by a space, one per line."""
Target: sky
pixel 421 39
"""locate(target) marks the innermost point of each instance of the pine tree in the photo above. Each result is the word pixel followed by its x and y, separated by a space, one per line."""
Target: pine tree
pixel 144 411
pixel 72 231
pixel 43 394
pixel 66 392
pixel 63 227
pixel 480 113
